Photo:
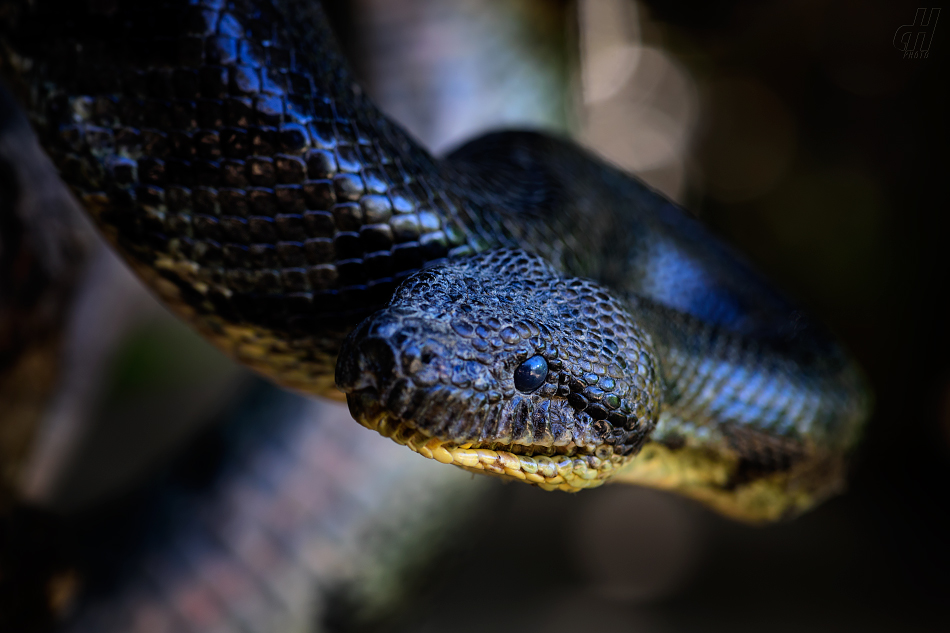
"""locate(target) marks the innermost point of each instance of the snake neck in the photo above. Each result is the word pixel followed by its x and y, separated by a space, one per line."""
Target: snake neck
pixel 788 392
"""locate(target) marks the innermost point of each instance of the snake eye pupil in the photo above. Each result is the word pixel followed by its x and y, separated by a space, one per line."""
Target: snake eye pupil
pixel 531 374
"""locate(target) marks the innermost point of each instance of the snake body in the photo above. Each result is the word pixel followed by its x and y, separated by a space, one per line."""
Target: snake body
pixel 228 153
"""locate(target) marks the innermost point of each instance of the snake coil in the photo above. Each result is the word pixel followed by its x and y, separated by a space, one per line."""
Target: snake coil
pixel 518 308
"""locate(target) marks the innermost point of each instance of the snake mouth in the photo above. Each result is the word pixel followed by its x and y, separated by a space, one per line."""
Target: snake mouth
pixel 567 467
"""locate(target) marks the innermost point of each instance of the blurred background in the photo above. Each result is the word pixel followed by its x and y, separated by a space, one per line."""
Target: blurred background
pixel 797 130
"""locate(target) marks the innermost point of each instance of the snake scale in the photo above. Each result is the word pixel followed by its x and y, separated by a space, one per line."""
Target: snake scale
pixel 518 308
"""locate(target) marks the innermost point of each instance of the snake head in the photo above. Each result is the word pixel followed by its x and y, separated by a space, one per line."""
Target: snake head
pixel 498 363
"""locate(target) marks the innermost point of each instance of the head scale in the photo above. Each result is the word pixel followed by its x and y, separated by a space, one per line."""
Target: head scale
pixel 498 363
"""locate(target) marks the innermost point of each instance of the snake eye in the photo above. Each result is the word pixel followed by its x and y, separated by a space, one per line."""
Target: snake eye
pixel 531 374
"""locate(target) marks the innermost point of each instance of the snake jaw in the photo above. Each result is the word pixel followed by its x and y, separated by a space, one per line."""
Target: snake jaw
pixel 435 371
pixel 567 467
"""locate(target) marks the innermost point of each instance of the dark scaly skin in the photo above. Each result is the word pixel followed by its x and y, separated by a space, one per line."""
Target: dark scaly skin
pixel 228 153
pixel 271 207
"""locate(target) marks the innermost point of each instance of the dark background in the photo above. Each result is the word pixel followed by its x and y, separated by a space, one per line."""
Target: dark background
pixel 820 153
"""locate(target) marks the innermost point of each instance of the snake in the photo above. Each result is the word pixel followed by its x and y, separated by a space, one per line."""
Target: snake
pixel 518 308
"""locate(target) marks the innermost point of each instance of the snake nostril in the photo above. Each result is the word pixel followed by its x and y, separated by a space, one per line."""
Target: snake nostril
pixel 531 374
pixel 363 364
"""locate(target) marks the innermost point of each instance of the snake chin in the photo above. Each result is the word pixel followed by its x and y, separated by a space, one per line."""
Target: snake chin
pixel 497 363
pixel 565 466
